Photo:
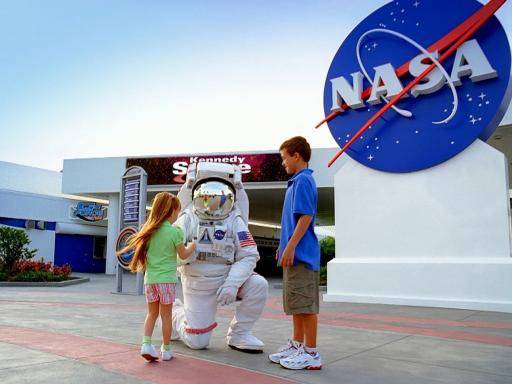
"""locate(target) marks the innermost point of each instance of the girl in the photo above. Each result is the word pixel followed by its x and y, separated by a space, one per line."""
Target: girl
pixel 156 246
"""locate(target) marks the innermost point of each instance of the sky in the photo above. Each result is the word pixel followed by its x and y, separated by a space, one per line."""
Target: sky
pixel 102 78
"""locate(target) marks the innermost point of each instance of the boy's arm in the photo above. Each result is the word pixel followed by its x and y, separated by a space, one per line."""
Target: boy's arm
pixel 300 230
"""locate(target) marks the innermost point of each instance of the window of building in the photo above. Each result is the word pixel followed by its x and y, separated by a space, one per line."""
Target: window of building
pixel 100 247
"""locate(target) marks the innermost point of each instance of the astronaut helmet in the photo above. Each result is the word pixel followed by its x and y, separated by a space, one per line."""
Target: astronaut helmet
pixel 213 190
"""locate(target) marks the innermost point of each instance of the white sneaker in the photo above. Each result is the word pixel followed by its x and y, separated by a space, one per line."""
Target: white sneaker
pixel 302 360
pixel 286 350
pixel 148 352
pixel 166 355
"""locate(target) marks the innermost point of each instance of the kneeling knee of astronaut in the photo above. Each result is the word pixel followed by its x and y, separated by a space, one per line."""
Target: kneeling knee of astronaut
pixel 261 284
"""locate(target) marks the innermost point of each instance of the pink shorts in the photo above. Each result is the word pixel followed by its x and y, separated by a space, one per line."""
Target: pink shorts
pixel 162 292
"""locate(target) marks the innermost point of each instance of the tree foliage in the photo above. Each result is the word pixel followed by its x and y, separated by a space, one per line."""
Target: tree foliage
pixel 13 247
pixel 327 249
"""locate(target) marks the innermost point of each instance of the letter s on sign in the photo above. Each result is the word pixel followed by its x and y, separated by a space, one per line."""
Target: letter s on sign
pixel 179 168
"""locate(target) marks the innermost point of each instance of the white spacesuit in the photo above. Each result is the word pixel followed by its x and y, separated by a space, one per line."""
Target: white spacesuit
pixel 215 214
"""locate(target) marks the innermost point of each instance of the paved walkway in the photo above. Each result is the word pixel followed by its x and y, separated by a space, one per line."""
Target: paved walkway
pixel 86 334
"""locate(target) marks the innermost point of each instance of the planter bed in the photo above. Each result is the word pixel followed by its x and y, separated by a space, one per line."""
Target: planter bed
pixel 72 281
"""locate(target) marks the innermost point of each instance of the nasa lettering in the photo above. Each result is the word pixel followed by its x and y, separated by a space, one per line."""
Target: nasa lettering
pixel 462 99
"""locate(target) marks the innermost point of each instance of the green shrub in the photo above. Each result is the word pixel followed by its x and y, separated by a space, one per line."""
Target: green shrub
pixel 327 249
pixel 13 247
pixel 3 275
pixel 323 275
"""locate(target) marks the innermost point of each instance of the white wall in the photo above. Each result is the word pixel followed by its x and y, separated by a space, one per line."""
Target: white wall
pixel 436 237
pixel 324 176
pixel 93 176
pixel 24 205
pixel 459 207
pixel 18 177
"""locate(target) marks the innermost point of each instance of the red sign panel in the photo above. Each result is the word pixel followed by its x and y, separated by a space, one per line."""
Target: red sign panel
pixel 256 168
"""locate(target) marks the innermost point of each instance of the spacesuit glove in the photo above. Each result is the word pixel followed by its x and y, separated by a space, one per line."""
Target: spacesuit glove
pixel 226 294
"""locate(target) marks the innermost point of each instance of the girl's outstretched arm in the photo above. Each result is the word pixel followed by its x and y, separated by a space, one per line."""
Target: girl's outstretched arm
pixel 185 251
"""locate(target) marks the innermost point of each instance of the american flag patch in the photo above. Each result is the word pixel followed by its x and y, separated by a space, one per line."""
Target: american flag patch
pixel 245 239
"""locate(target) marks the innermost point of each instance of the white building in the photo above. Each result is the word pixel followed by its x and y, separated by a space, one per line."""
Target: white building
pixel 265 184
pixel 31 199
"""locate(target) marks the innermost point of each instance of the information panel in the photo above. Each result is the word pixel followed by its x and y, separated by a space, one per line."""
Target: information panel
pixel 131 200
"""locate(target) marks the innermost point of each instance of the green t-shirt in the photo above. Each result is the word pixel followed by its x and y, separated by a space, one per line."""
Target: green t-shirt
pixel 161 255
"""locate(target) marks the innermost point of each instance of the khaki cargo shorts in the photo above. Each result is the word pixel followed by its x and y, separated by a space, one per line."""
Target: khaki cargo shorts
pixel 300 290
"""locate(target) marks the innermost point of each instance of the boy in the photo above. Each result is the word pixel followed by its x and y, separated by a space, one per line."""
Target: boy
pixel 299 255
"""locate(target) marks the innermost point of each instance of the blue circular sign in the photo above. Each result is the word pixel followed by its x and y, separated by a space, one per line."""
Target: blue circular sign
pixel 464 98
pixel 123 238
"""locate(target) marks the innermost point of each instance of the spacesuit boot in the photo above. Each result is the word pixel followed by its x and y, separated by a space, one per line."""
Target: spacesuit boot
pixel 253 295
pixel 247 343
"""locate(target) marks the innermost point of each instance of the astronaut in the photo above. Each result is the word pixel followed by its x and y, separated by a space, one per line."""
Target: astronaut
pixel 215 215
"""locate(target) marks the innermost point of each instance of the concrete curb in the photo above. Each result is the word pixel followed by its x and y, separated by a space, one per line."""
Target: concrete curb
pixel 72 281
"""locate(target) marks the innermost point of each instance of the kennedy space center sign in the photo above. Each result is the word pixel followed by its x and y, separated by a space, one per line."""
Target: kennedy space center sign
pixel 256 168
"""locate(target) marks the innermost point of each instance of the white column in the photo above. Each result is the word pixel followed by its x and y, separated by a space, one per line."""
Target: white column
pixel 437 237
pixel 112 232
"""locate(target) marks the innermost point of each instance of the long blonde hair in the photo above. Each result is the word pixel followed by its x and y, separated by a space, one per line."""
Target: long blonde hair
pixel 164 204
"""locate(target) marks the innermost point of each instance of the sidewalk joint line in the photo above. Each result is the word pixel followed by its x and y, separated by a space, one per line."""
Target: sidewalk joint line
pixel 62 358
pixel 468 316
pixel 369 349
pixel 443 366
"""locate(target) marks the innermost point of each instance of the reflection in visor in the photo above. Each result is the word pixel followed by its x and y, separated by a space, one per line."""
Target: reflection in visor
pixel 213 200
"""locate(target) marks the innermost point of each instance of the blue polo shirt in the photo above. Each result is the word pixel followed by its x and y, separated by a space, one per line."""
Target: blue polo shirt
pixel 301 199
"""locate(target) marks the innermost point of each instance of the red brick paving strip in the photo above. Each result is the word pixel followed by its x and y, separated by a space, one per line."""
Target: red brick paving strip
pixel 125 359
pixel 327 315
pixel 400 324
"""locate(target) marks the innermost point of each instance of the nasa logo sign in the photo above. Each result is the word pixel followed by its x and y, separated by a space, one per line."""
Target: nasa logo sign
pixel 417 82
pixel 219 234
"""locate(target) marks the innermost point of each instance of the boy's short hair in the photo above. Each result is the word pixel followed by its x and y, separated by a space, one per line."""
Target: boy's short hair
pixel 297 144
